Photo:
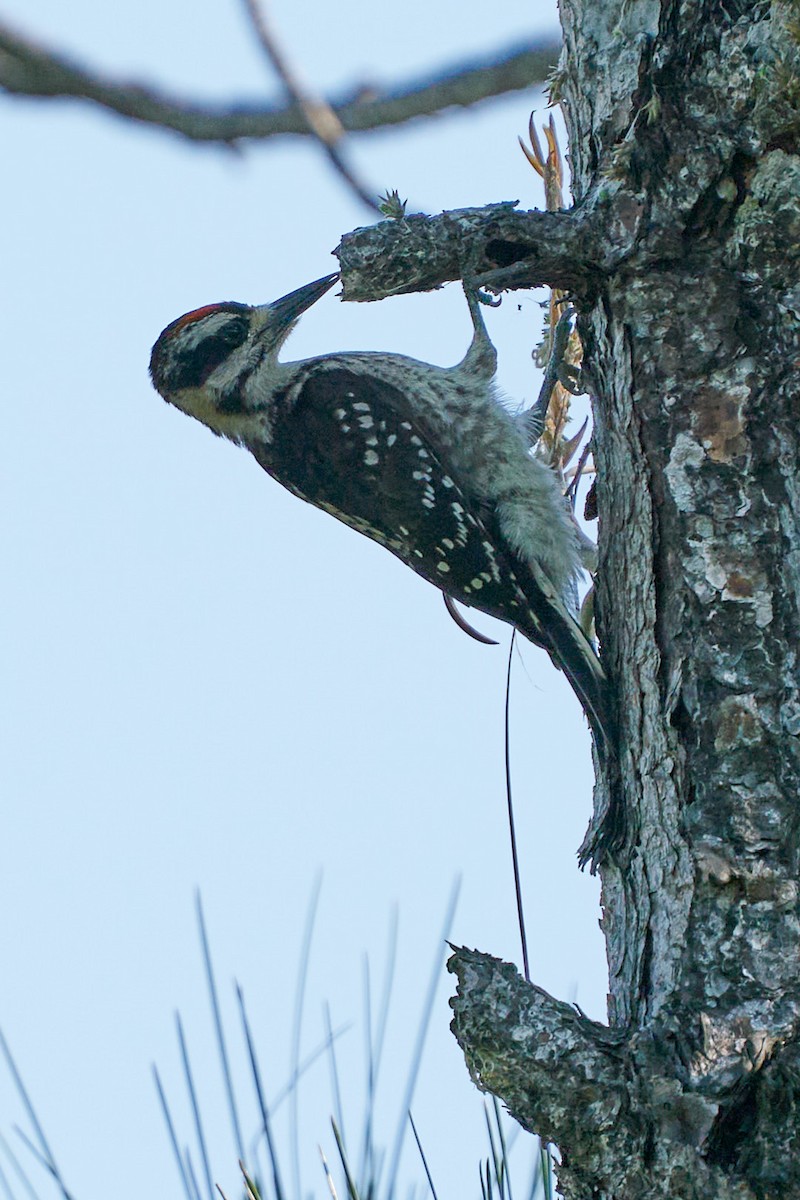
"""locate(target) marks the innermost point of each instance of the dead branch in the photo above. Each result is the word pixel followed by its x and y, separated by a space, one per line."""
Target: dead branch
pixel 29 68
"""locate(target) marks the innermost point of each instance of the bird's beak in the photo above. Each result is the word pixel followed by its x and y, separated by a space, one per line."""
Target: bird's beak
pixel 283 313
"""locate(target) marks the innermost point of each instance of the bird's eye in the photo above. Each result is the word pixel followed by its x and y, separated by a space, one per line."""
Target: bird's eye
pixel 192 347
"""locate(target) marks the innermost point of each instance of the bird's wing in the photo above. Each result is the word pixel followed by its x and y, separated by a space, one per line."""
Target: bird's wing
pixel 350 444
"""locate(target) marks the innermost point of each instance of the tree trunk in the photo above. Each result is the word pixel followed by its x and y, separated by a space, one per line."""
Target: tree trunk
pixel 684 133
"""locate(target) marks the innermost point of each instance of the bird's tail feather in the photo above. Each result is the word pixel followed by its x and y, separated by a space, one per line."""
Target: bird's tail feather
pixel 551 626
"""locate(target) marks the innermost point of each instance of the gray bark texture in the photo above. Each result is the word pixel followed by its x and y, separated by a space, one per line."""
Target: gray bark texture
pixel 682 254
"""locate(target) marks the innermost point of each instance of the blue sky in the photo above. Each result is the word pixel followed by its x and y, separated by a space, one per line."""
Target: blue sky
pixel 210 684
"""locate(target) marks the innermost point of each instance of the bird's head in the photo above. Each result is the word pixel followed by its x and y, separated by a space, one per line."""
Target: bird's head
pixel 219 363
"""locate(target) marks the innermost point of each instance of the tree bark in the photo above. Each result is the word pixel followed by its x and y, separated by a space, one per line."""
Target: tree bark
pixel 688 116
pixel 684 132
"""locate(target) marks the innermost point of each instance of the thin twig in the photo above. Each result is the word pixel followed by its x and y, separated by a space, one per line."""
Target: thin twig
pixel 367 1165
pixel 217 1017
pixel 322 121
pixel 388 982
pixel 503 1146
pixel 18 1168
pixel 37 1154
pixel 512 829
pixel 28 68
pixel 195 1105
pixel 337 1094
pixel 495 1160
pixel 173 1140
pixel 328 1176
pixel 256 1074
pixel 304 1066
pixel 370 1168
pixel 297 1027
pixel 5 1185
pixel 352 1190
pixel 192 1175
pixel 422 1156
pixel 46 1154
pixel 419 1046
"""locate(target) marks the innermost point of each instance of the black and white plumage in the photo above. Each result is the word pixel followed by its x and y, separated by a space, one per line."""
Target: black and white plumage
pixel 422 459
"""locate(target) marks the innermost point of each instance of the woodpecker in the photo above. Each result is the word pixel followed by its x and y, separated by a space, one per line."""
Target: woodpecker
pixel 424 460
